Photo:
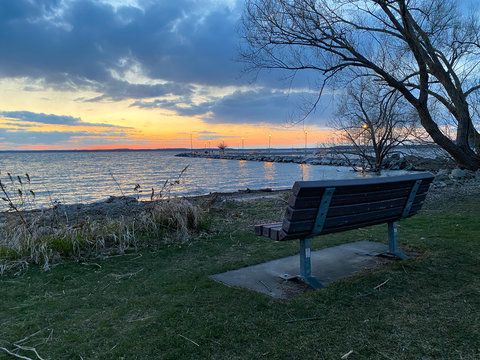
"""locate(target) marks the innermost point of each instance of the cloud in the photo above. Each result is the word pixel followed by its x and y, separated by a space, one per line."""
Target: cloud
pixel 80 42
pixel 41 118
pixel 215 137
pixel 120 90
pixel 21 137
pixel 161 54
pixel 16 131
pixel 266 106
pixel 262 106
pixel 51 119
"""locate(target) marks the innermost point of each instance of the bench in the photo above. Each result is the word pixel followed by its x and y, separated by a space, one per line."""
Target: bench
pixel 329 206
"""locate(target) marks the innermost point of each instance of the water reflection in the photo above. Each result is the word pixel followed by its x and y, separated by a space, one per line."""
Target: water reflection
pixel 243 174
pixel 305 169
pixel 269 168
pixel 71 177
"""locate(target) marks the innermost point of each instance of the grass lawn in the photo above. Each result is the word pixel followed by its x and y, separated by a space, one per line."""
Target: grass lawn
pixel 160 304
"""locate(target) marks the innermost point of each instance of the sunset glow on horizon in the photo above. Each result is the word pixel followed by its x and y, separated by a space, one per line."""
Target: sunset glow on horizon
pixel 84 74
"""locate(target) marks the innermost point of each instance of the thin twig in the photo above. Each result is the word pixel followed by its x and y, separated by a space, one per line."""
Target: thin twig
pixel 345 356
pixel 193 342
pixel 29 348
pixel 93 264
pixel 384 355
pixel 15 355
pixel 116 182
pixel 129 275
pixel 380 285
pixel 28 337
pixel 49 336
pixel 303 319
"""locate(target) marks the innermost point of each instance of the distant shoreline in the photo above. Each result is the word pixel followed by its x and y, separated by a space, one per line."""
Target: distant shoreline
pixel 325 158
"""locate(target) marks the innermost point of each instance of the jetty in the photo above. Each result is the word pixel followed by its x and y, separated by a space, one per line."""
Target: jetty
pixel 330 157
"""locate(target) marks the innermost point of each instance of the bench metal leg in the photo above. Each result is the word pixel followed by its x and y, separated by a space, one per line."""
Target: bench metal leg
pixel 305 265
pixel 393 242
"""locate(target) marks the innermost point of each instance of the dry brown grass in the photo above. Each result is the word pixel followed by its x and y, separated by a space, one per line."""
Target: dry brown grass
pixel 40 237
pixel 42 244
pixel 175 219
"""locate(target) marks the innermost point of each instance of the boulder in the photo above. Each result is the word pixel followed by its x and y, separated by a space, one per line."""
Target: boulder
pixel 442 175
pixel 458 174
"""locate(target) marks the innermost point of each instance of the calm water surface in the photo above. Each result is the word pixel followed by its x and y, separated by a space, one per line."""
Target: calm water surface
pixel 73 177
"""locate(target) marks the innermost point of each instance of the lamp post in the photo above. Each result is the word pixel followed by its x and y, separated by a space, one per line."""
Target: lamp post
pixel 269 142
pixel 243 144
pixel 306 132
pixel 365 127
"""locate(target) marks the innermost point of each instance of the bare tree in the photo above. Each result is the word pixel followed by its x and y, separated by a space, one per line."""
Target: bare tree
pixel 375 121
pixel 428 51
pixel 222 146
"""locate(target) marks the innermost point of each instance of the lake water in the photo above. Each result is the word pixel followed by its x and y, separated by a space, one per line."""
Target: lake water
pixel 87 176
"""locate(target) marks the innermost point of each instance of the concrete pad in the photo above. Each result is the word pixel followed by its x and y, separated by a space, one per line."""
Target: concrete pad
pixel 328 265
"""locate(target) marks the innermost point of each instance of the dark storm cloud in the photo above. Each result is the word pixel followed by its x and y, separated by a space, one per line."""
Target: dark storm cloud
pixel 255 106
pixel 41 118
pixel 21 137
pixel 116 90
pixel 182 107
pixel 267 106
pixel 24 136
pixel 80 41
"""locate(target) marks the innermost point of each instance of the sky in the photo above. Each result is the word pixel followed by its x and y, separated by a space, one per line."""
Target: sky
pixel 98 74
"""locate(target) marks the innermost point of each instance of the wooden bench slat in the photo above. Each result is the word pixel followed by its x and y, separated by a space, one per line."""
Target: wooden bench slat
pixel 309 188
pixel 283 236
pixel 307 214
pixel 354 226
pixel 367 196
pixel 346 199
pixel 294 229
pixel 307 225
pixel 267 229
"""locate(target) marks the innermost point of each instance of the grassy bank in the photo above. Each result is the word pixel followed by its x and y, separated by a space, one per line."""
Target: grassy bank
pixel 160 304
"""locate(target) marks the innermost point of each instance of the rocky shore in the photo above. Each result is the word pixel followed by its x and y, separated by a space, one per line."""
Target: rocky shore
pixel 448 184
pixel 394 162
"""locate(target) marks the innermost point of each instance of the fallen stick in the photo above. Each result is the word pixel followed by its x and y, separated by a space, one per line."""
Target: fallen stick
pixel 15 355
pixel 28 337
pixel 193 342
pixel 345 356
pixel 29 348
pixel 380 285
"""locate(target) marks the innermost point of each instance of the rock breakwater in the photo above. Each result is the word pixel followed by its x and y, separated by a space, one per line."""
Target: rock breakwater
pixel 395 162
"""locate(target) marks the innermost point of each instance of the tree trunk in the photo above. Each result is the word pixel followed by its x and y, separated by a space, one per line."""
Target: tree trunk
pixel 463 156
pixel 474 139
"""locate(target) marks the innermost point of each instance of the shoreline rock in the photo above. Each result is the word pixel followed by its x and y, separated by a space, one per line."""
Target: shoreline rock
pixel 447 185
pixel 394 162
pixel 447 177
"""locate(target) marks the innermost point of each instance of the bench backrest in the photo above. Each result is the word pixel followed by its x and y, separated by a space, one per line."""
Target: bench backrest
pixel 322 207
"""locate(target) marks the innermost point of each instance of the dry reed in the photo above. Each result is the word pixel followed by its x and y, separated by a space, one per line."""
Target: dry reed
pixel 40 237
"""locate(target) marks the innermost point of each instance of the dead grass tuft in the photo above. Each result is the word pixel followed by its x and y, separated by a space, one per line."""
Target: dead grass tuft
pixel 40 237
pixel 174 219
